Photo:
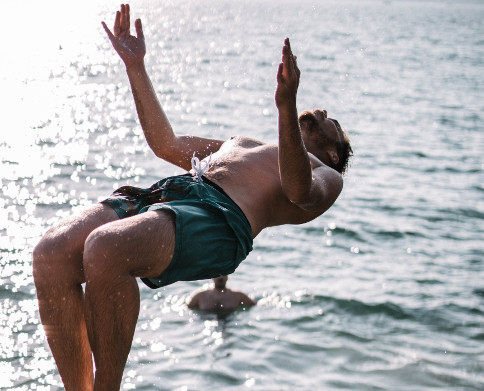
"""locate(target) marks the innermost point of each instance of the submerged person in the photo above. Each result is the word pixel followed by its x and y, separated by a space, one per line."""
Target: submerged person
pixel 220 299
pixel 194 226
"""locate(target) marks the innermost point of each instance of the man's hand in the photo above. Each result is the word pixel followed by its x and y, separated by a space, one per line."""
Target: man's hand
pixel 131 49
pixel 287 77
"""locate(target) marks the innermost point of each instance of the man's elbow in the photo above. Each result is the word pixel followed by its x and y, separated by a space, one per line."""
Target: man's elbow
pixel 307 200
pixel 166 153
pixel 304 203
pixel 299 196
pixel 310 206
pixel 320 200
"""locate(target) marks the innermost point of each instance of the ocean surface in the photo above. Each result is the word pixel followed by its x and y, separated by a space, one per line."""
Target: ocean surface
pixel 385 291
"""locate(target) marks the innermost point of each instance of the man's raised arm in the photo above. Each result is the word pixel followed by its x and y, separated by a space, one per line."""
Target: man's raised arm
pixel 314 190
pixel 156 127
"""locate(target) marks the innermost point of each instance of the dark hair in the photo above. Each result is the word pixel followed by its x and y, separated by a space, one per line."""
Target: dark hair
pixel 343 148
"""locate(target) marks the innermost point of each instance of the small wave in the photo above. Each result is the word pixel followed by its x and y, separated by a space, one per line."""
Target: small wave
pixel 449 214
pixel 443 120
pixel 470 213
pixel 429 281
pixel 478 292
pixel 347 233
pixel 347 335
pixel 478 188
pixel 448 317
pixel 386 234
pixel 418 154
pixel 356 307
pixel 451 170
pixel 478 337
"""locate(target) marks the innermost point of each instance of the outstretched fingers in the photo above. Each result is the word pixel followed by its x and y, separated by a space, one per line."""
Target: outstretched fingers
pixel 288 58
pixel 121 23
pixel 139 29
pixel 117 24
pixel 287 76
pixel 290 71
pixel 124 19
pixel 286 51
pixel 108 32
pixel 131 49
pixel 116 28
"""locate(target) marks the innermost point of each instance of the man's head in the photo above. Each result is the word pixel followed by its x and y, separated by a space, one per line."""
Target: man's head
pixel 325 139
pixel 220 282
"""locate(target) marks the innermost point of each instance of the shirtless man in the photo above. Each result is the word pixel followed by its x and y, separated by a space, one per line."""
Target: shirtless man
pixel 249 186
pixel 220 299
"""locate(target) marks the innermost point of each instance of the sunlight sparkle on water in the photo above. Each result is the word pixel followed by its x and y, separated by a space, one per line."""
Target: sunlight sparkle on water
pixel 17 333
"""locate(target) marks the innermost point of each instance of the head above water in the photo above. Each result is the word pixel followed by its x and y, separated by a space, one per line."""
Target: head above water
pixel 220 282
pixel 325 139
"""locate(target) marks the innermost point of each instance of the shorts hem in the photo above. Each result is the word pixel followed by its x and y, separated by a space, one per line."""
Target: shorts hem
pixel 163 278
pixel 119 211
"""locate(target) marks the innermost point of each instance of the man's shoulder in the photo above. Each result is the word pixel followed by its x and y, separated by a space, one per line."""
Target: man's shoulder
pixel 243 299
pixel 203 294
pixel 245 142
pixel 200 295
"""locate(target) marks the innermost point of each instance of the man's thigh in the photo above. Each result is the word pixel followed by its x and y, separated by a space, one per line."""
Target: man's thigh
pixel 141 245
pixel 75 229
pixel 60 249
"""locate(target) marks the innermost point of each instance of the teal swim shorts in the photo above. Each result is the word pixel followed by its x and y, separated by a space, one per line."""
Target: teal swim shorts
pixel 213 236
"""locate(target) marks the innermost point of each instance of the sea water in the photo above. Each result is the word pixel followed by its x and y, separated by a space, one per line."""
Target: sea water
pixel 383 292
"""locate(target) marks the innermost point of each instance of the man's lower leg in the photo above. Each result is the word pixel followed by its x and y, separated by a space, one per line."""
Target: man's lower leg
pixel 112 310
pixel 62 315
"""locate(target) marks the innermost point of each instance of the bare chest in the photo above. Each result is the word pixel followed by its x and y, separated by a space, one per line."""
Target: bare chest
pixel 248 171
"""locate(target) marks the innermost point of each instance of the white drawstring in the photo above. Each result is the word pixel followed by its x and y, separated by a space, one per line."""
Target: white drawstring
pixel 200 167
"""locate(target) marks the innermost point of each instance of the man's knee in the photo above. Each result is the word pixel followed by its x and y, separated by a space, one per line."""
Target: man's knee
pixel 101 255
pixel 40 264
pixel 45 255
pixel 53 259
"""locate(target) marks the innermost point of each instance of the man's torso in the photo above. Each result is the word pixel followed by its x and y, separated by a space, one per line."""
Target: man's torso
pixel 214 300
pixel 248 171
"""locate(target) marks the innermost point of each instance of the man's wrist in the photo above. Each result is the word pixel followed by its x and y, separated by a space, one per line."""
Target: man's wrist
pixel 287 105
pixel 135 66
